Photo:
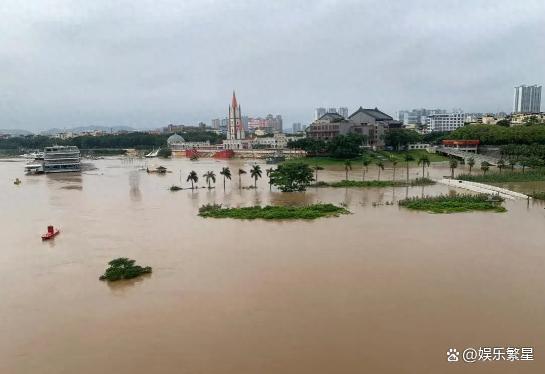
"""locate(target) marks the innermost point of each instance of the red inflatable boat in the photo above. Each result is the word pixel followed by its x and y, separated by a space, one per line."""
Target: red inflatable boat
pixel 51 233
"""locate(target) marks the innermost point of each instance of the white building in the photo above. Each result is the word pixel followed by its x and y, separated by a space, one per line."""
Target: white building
pixel 527 99
pixel 277 141
pixel 444 122
pixel 177 143
pixel 319 112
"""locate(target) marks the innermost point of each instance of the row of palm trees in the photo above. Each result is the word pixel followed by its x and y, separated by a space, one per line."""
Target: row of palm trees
pixel 407 158
pixel 210 176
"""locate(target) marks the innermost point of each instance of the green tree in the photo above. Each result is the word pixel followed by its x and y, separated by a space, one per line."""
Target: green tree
pixel 485 166
pixel 524 163
pixel 347 167
pixel 192 177
pixel 408 158
pixel 470 163
pixel 269 171
pixel 365 163
pixel 399 138
pixel 501 165
pixel 316 168
pixel 345 146
pixel 255 172
pixel 209 176
pixel 240 172
pixel 380 166
pixel 394 162
pixel 512 162
pixel 424 160
pixel 503 122
pixel 290 177
pixel 453 164
pixel 164 152
pixel 226 172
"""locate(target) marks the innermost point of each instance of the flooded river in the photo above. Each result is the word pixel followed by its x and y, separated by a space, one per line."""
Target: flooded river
pixel 383 290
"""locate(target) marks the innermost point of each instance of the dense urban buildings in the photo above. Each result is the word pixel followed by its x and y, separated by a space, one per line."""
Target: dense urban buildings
pixel 527 99
pixel 269 124
pixel 417 117
pixel 319 112
pixel 296 127
pixel 444 122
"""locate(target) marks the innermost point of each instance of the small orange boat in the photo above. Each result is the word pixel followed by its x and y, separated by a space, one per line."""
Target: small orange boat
pixel 51 233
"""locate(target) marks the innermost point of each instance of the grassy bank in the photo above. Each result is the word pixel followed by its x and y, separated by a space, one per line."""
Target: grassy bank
pixel 374 183
pixel 455 203
pixel 506 176
pixel 384 156
pixel 273 212
pixel 540 195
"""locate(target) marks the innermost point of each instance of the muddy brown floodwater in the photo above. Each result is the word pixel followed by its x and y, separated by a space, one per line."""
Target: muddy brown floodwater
pixel 383 290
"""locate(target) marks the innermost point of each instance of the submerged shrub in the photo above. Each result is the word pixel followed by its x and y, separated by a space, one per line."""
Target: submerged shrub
pixel 123 268
pixel 273 212
pixel 455 203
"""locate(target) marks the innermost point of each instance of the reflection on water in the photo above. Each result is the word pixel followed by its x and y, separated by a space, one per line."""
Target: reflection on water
pixel 335 295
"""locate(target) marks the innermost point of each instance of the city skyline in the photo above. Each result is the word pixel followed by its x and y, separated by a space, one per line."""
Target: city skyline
pixel 69 64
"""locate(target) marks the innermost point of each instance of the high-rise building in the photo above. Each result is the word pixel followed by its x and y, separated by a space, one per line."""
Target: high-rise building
pixel 332 110
pixel 343 111
pixel 527 99
pixel 417 117
pixel 236 129
pixel 318 112
pixel 216 123
pixel 444 122
pixel 296 127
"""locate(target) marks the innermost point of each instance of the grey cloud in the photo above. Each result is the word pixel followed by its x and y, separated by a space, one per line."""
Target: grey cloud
pixel 149 63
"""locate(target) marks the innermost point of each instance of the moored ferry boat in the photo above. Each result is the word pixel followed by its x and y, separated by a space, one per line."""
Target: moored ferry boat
pixel 60 159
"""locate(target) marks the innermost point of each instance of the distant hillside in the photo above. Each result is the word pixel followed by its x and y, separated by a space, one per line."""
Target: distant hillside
pixel 87 128
pixel 15 132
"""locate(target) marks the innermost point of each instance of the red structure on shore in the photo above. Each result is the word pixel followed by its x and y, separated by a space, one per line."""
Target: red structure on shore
pixel 225 154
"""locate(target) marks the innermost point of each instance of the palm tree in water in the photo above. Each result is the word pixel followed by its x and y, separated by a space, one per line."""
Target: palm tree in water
pixel 380 165
pixel 193 178
pixel 255 172
pixel 226 172
pixel 347 166
pixel 209 176
pixel 240 172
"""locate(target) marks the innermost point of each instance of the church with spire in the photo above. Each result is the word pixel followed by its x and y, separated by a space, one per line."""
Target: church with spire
pixel 236 136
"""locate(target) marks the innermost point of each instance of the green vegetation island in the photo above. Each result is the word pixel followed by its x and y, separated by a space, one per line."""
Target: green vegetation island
pixel 374 183
pixel 532 175
pixel 123 268
pixel 269 212
pixel 455 203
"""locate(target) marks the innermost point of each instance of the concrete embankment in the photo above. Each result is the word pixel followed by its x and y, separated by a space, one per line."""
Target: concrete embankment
pixel 483 188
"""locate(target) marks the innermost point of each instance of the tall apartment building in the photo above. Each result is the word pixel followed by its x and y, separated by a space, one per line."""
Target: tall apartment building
pixel 216 123
pixel 319 112
pixel 296 127
pixel 444 122
pixel 417 117
pixel 527 99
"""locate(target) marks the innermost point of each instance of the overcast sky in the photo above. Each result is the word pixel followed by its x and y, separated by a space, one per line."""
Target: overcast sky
pixel 149 63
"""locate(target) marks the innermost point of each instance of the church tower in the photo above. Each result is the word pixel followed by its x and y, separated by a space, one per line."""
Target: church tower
pixel 235 130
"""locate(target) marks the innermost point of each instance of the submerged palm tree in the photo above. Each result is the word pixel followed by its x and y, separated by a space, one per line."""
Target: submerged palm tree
pixel 209 176
pixel 453 164
pixel 255 172
pixel 269 171
pixel 408 158
pixel 193 178
pixel 316 168
pixel 485 166
pixel 364 168
pixel 470 163
pixel 501 165
pixel 347 166
pixel 394 164
pixel 240 172
pixel 380 165
pixel 424 160
pixel 226 172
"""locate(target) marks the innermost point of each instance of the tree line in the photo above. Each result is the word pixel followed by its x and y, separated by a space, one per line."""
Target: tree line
pixel 138 140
